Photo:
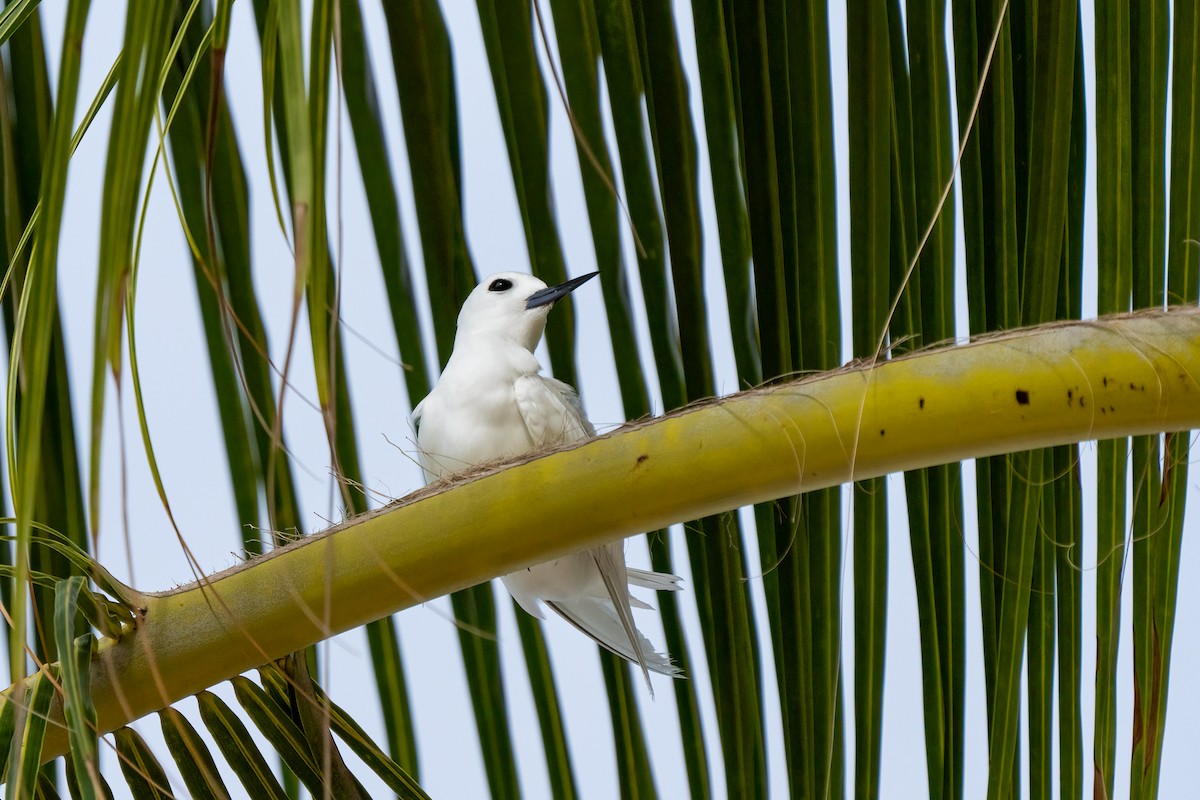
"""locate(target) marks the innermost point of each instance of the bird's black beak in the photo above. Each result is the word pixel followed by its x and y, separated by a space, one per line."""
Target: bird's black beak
pixel 552 294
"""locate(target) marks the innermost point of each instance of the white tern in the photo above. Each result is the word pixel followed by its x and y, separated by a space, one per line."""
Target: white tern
pixel 492 401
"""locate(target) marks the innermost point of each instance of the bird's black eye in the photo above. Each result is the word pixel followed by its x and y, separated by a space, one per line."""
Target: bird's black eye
pixel 500 285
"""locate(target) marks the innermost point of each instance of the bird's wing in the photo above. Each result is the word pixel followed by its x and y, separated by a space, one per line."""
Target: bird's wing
pixel 414 419
pixel 553 414
pixel 598 621
pixel 551 410
pixel 610 624
pixel 610 560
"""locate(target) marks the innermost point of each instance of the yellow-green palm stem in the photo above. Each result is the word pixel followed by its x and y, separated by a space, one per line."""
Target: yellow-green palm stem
pixel 1067 383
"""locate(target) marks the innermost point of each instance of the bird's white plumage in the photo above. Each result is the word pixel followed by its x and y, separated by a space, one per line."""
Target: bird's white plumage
pixel 492 402
pixel 551 410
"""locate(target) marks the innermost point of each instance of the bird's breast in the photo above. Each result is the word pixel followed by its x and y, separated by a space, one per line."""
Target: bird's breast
pixel 469 422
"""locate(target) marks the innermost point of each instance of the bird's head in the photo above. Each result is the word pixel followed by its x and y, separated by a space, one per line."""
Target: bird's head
pixel 512 306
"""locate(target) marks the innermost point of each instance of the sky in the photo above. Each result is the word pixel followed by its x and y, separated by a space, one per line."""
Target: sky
pixel 184 425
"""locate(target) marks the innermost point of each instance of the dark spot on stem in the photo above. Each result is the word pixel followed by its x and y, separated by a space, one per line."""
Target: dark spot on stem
pixel 1022 397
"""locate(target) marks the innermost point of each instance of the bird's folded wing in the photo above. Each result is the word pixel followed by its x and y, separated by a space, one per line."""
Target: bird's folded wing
pixel 551 410
pixel 414 419
pixel 598 619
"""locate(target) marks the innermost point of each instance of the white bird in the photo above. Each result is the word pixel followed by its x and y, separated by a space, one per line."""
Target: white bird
pixel 491 402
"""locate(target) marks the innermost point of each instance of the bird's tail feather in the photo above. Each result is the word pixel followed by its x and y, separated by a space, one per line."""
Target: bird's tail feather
pixel 658 581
